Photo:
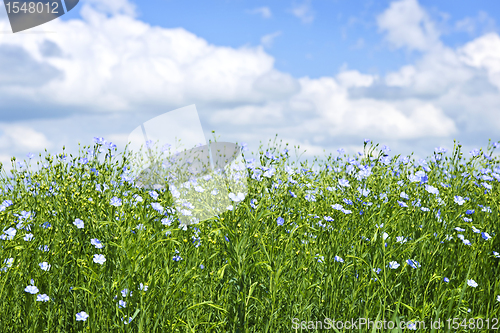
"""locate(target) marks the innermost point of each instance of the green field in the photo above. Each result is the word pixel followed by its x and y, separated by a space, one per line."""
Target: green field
pixel 341 238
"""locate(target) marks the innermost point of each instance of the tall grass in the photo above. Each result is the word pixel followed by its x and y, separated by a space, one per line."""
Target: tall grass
pixel 336 238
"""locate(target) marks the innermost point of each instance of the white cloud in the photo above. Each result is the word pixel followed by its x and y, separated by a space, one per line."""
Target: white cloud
pixel 339 115
pixel 406 24
pixel 267 40
pixel 303 11
pixel 18 137
pixel 120 64
pixel 113 7
pixel 433 75
pixel 402 78
pixel 484 53
pixel 354 78
pixel 481 23
pixel 265 12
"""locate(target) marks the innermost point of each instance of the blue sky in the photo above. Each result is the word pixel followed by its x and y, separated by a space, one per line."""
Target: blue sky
pixel 324 74
pixel 315 38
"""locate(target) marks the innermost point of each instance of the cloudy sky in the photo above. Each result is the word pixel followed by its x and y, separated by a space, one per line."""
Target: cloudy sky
pixel 322 74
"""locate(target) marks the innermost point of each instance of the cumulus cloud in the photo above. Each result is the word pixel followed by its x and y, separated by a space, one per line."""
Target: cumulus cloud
pixel 484 53
pixel 120 63
pixel 15 137
pixel 110 68
pixel 406 24
pixel 354 78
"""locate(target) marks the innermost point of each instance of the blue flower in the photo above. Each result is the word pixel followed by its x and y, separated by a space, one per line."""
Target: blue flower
pixel 404 195
pixel 474 152
pixel 280 221
pixel 446 280
pixel 115 201
pixel 253 203
pixel 459 200
pixel 143 287
pixel 485 235
pixel 469 211
pixel 11 232
pixel 237 197
pixel 176 258
pixel 28 237
pixel 347 201
pixel 411 326
pixel 156 206
pixel 99 259
pixel 43 248
pixel 46 225
pixel 8 263
pixel 97 243
pixel 338 207
pixel 486 185
pixel 42 298
pixel 339 259
pixel 431 189
pixel 44 266
pixel 153 195
pixel 270 172
pixel 78 223
pixel 292 194
pixel 475 230
pixel 393 265
pixel 401 239
pixel 459 229
pixel 99 140
pixel 402 204
pixel 472 283
pixel 310 197
pixel 344 182
pixel 82 316
pixel 31 289
pixel 413 263
pixel 122 304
